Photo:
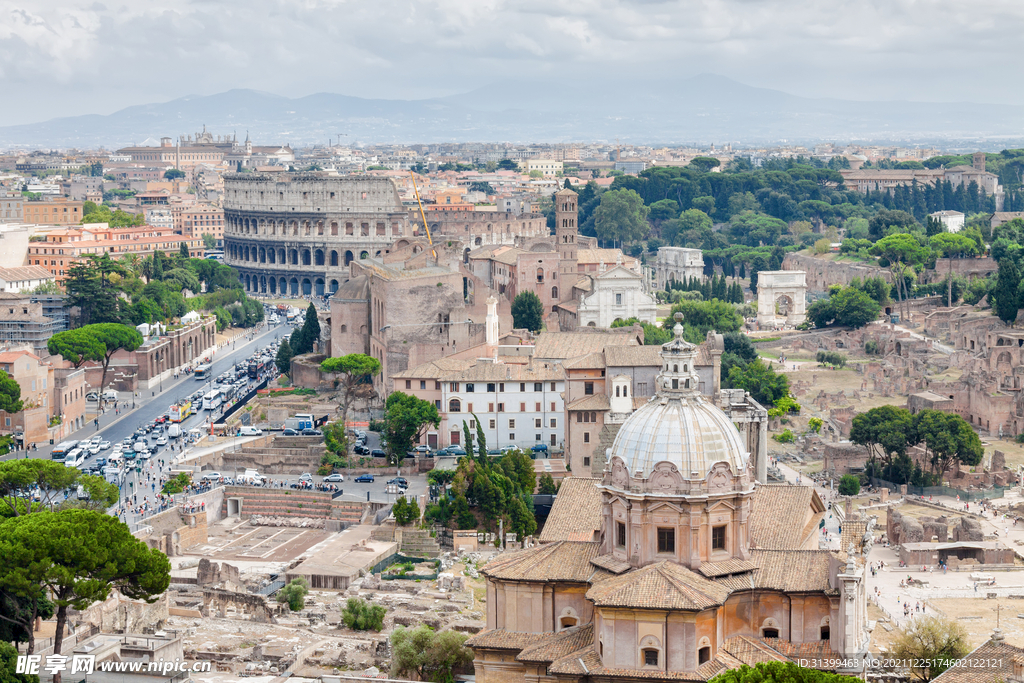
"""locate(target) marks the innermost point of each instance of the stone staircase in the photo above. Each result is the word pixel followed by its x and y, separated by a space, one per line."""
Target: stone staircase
pixel 279 502
pixel 418 543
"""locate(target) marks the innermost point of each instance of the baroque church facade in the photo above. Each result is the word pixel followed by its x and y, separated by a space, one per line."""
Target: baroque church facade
pixel 675 564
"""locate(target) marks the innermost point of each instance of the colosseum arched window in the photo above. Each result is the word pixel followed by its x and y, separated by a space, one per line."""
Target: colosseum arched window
pixel 334 228
pixel 334 258
pixel 380 230
pixel 364 229
pixel 319 257
pixel 319 227
pixel 349 229
pixel 295 228
pixel 306 227
pixel 295 257
pixel 263 255
pixel 306 260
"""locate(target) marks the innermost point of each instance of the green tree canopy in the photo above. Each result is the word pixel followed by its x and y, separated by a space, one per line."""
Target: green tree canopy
pixel 283 359
pixel 354 369
pixel 621 216
pixel 848 307
pixel 527 311
pixel 432 656
pixel 931 643
pixel 900 252
pixel 701 317
pixel 405 419
pixel 77 556
pixel 359 615
pixel 849 485
pixel 294 593
pixel 886 431
pixel 948 438
pixel 762 382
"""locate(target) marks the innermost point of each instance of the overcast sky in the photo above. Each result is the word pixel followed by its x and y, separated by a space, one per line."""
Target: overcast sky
pixel 69 57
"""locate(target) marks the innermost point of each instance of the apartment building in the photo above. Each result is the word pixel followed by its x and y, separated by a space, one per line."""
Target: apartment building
pixel 203 219
pixel 63 248
pixel 52 211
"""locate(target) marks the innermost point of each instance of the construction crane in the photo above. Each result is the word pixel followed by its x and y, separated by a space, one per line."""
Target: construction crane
pixel 426 227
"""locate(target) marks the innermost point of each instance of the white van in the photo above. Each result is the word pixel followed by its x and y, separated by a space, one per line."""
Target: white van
pixel 252 477
pixel 174 431
pixel 250 431
pixel 109 395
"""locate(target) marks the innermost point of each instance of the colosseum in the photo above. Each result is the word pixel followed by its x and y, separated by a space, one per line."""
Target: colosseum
pixel 296 233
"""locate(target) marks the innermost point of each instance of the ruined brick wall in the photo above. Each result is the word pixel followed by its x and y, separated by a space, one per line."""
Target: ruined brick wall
pixel 840 458
pixel 823 273
pixel 968 530
pixel 305 371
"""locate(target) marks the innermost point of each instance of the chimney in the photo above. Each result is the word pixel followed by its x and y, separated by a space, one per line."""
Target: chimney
pixel 491 322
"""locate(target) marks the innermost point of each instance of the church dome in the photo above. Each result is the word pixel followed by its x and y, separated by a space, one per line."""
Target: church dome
pixel 679 426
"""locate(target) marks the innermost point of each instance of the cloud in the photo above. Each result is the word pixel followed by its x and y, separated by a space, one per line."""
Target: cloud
pixel 68 57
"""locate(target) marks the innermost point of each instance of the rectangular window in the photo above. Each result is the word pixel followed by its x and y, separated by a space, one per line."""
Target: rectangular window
pixel 492 424
pixel 620 534
pixel 437 386
pixel 501 387
pixel 511 436
pixel 490 387
pixel 554 423
pixel 537 409
pixel 586 461
pixel 588 388
pixel 618 299
pixel 437 404
pixel 522 407
pixel 490 407
pixel 552 406
pixel 469 407
pixel 537 423
pixel 501 407
pixel 469 387
pixel 666 540
pixel 423 384
pixel 408 384
pixel 522 386
pixel 538 386
pixel 579 417
pixel 472 423
pixel 552 386
pixel 454 386
pixel 586 437
pixel 511 424
pixel 718 538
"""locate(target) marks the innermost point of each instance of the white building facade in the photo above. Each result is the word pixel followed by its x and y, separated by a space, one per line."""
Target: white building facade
pixel 617 294
pixel 517 405
pixel 679 264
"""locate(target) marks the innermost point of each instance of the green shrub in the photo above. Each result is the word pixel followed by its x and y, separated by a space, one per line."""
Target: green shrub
pixel 360 615
pixel 849 485
pixel 294 594
pixel 785 436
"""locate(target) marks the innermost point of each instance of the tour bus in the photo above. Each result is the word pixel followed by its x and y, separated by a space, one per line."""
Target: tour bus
pixel 202 372
pixel 213 400
pixel 62 449
pixel 181 411
pixel 215 255
pixel 76 458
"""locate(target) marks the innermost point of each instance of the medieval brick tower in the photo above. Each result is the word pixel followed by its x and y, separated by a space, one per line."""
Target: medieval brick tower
pixel 566 232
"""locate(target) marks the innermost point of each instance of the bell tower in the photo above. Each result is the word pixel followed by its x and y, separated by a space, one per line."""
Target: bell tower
pixel 566 232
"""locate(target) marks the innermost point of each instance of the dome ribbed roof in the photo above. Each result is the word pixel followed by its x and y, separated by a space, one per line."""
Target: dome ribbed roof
pixel 679 425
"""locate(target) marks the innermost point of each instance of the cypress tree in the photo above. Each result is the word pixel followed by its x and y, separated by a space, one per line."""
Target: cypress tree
pixel 1005 293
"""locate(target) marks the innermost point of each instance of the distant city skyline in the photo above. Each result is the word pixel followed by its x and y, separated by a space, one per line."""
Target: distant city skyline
pixel 75 57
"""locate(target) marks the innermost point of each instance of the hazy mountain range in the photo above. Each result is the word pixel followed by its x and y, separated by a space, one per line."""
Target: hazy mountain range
pixel 705 108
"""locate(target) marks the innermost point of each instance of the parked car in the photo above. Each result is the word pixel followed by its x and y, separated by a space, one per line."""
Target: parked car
pixel 334 478
pixel 250 431
pixel 210 476
pixel 290 432
pixel 422 449
pixel 92 396
pixel 364 479
pixel 399 481
pixel 378 453
pixel 540 448
pixel 305 476
pixel 309 431
pixel 456 450
pixel 361 450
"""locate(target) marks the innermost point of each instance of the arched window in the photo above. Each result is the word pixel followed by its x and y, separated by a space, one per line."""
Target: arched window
pixel 703 655
pixel 344 329
pixel 625 391
pixel 554 293
pixel 334 228
pixel 616 392
pixel 334 258
pixel 454 406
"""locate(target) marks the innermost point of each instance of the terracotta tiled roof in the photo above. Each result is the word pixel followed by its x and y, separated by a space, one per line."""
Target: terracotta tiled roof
pixel 853 532
pixel 25 273
pixel 558 345
pixel 587 662
pixel 500 639
pixel 611 564
pixel 576 514
pixel 664 585
pixel 435 369
pixel 731 566
pixel 558 561
pixel 993 662
pixel 703 357
pixel 632 356
pixel 558 645
pixel 784 570
pixel 592 402
pixel 750 651
pixel 774 502
pixel 591 361
pixel 808 650
pixel 479 371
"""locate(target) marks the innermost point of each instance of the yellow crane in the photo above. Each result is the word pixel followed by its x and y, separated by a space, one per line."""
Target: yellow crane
pixel 426 227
